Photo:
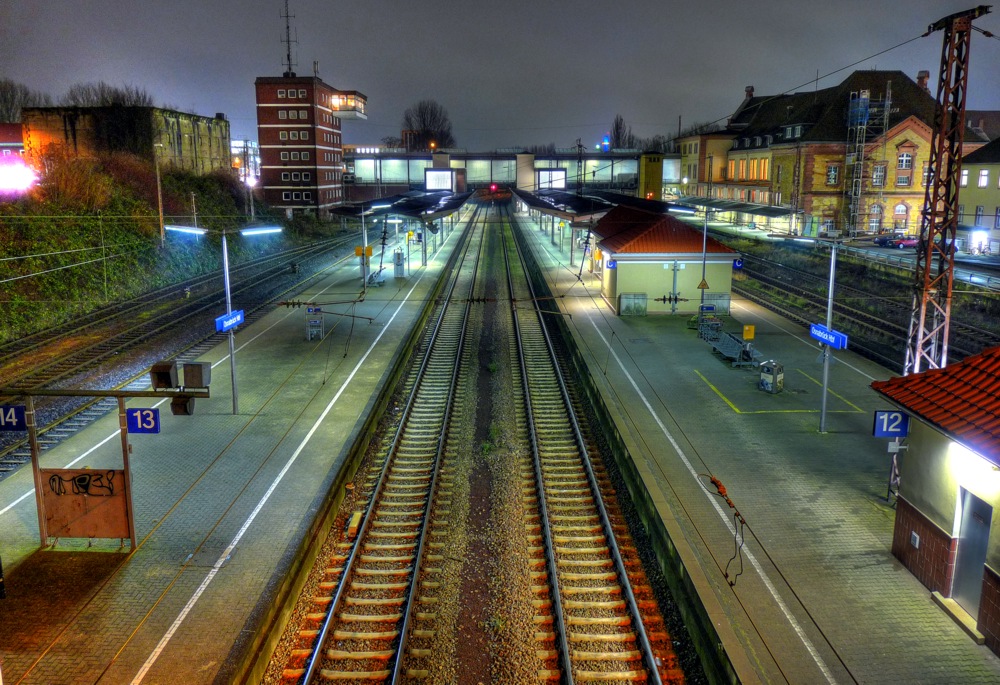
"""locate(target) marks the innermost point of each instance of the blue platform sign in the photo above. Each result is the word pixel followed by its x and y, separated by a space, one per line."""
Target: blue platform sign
pixel 706 308
pixel 612 263
pixel 738 263
pixel 891 424
pixel 142 420
pixel 834 339
pixel 226 321
pixel 12 417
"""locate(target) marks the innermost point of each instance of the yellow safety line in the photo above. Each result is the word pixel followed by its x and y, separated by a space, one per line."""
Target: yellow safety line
pixel 772 411
pixel 842 399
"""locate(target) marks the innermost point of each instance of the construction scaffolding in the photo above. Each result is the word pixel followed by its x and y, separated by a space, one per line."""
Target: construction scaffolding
pixel 867 120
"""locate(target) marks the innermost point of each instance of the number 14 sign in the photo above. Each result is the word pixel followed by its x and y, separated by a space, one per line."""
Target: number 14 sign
pixel 142 420
pixel 891 424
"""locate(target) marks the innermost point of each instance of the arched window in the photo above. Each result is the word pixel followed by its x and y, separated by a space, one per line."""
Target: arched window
pixel 875 218
pixel 904 161
pixel 900 216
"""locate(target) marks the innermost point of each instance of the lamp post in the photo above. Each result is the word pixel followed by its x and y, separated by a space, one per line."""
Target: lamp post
pixel 829 327
pixel 159 193
pixel 256 230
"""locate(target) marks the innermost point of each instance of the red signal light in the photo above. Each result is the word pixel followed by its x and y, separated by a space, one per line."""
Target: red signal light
pixel 493 187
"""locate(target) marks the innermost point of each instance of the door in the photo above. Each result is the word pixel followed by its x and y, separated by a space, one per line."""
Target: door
pixel 973 538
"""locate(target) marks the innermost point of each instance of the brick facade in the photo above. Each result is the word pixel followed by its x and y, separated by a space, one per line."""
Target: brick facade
pixel 933 562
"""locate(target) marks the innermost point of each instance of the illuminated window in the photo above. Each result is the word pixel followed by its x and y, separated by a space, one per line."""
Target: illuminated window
pixel 878 175
pixel 302 94
pixel 964 180
pixel 902 180
pixel 984 178
pixel 743 170
pixel 753 169
pixel 764 167
pixel 832 174
pixel 732 169
pixel 875 218
pixel 281 93
pixel 927 174
pixel 904 161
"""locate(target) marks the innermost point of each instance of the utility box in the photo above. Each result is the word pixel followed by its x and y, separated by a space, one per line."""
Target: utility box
pixel 399 263
pixel 772 377
pixel 197 374
pixel 163 375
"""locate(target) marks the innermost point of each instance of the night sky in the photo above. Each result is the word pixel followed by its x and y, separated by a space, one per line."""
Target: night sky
pixel 510 72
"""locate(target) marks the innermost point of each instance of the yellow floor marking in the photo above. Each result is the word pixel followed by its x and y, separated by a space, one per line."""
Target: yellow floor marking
pixel 842 399
pixel 776 411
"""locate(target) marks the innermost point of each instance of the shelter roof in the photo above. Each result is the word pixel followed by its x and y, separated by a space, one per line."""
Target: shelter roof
pixel 962 400
pixel 626 230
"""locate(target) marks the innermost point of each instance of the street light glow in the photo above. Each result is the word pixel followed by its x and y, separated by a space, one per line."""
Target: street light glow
pixel 16 177
pixel 186 229
pixel 260 230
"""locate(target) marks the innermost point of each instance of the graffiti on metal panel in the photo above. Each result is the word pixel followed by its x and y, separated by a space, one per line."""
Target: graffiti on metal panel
pixel 96 484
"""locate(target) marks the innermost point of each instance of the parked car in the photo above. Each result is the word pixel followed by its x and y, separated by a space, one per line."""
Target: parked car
pixel 907 241
pixel 886 239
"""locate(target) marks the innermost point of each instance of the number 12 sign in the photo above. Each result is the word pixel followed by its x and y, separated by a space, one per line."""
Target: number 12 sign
pixel 891 424
pixel 142 420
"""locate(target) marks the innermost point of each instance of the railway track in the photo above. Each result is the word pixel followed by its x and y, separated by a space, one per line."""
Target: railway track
pixel 381 611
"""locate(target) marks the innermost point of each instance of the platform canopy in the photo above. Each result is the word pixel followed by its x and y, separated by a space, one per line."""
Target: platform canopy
pixel 414 205
pixel 567 206
pixel 720 205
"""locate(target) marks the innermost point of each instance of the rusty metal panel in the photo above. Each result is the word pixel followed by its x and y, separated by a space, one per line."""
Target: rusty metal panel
pixel 85 503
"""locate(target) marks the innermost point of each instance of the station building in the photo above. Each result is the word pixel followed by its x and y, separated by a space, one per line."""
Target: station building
pixel 849 159
pixel 979 199
pixel 947 528
pixel 179 139
pixel 301 150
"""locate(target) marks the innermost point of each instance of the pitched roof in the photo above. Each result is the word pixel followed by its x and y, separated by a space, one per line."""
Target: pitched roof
pixel 625 230
pixel 987 154
pixel 985 121
pixel 962 400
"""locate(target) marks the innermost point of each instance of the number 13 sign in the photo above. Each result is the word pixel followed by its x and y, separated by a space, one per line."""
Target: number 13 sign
pixel 142 420
pixel 891 424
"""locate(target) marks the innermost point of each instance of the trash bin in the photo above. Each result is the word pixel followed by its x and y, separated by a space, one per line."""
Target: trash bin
pixel 772 377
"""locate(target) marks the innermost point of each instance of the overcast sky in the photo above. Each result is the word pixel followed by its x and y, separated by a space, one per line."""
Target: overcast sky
pixel 509 72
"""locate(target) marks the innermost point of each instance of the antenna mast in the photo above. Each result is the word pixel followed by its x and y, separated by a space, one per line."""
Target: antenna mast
pixel 288 42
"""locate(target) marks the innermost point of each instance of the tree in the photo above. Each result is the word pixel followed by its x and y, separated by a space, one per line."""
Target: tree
pixel 621 136
pixel 427 122
pixel 15 96
pixel 392 141
pixel 101 94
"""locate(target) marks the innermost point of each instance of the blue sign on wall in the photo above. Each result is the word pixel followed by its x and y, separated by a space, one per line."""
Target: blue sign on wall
pixel 891 424
pixel 834 339
pixel 738 263
pixel 226 321
pixel 142 420
pixel 12 417
pixel 612 263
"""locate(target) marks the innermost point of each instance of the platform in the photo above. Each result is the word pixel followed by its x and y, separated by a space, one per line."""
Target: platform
pixel 817 596
pixel 221 500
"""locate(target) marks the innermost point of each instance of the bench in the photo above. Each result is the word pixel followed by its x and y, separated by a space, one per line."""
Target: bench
pixel 736 350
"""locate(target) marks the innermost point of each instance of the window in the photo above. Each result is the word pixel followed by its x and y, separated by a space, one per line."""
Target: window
pixel 303 114
pixel 295 176
pixel 756 141
pixel 900 217
pixel 296 196
pixel 304 135
pixel 875 219
pixel 878 175
pixel 293 114
pixel 307 196
pixel 282 114
pixel 305 155
pixel 281 93
pixel 302 94
pixel 904 161
pixel 798 131
pixel 736 143
pixel 832 174
pixel 984 178
pixel 293 135
pixel 295 156
pixel 961 213
pixel 743 170
pixel 284 156
pixel 764 168
pixel 777 175
pixel 927 175
pixel 306 176
pixel 996 219
pixel 732 169
pixel 902 180
pixel 283 135
pixel 753 169
pixel 284 176
pixel 979 215
pixel 286 196
pixel 964 180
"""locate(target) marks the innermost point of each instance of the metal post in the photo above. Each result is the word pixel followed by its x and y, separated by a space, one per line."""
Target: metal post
pixel 36 469
pixel 194 211
pixel 123 431
pixel 229 310
pixel 829 327
pixel 159 196
pixel 364 253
